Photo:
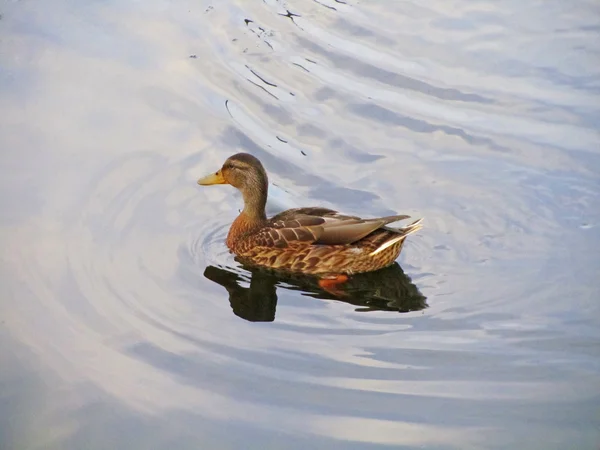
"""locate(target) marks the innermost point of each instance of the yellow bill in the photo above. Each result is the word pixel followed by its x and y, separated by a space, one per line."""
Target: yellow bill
pixel 213 178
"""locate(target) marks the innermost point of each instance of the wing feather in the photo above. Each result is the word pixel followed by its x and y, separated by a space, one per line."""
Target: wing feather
pixel 319 226
pixel 351 230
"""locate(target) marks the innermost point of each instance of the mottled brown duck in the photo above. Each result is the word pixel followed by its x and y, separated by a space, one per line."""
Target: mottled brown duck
pixel 312 240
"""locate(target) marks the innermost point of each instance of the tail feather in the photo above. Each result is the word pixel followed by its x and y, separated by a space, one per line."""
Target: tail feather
pixel 402 233
pixel 391 219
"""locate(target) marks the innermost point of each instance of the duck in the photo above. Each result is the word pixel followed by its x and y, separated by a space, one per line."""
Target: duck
pixel 311 240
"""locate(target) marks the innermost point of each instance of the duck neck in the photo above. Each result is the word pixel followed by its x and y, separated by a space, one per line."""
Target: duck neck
pixel 252 216
pixel 255 200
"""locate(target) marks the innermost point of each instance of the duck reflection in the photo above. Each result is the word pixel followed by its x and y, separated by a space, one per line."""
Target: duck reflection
pixel 388 289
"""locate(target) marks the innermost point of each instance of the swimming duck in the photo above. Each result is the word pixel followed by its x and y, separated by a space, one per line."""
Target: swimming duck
pixel 313 240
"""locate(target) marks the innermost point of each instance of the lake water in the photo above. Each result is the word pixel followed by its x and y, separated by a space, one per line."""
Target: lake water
pixel 125 323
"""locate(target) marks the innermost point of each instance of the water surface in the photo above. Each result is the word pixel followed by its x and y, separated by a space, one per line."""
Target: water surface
pixel 125 323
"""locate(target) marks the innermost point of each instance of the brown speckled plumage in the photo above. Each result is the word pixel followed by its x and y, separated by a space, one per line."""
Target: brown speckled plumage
pixel 309 240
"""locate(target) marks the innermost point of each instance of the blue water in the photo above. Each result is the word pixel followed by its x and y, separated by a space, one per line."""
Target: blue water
pixel 124 321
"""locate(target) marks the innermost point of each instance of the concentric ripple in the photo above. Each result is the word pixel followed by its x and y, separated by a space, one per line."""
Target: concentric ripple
pixel 127 323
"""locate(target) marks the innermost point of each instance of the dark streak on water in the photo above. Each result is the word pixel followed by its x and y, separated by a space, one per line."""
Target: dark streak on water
pixel 126 324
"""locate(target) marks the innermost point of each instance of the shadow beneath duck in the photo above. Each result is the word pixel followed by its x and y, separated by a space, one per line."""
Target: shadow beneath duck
pixel 388 289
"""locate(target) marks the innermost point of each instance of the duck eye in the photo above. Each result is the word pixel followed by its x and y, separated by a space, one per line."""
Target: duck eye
pixel 232 166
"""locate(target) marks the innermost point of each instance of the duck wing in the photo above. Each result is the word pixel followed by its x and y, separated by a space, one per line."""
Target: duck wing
pixel 315 211
pixel 320 226
pixel 347 231
pixel 283 233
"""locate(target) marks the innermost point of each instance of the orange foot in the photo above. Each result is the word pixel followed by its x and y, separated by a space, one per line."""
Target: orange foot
pixel 331 282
